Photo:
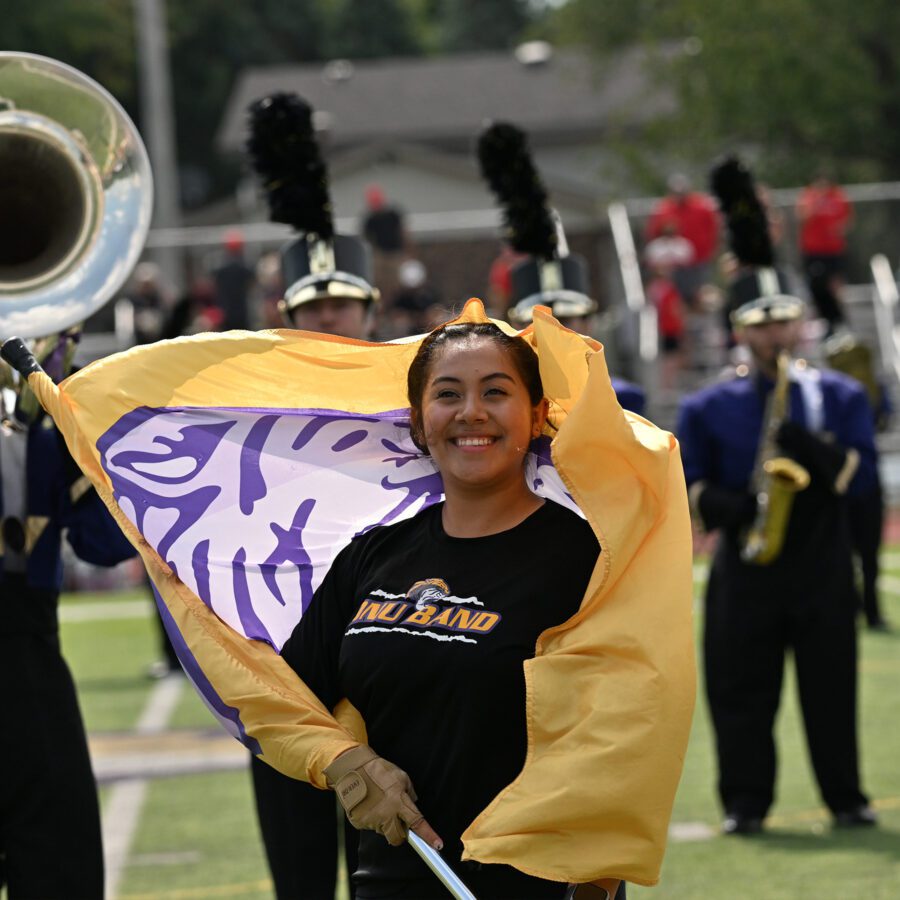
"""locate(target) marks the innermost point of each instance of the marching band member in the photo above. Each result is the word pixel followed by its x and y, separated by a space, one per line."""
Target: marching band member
pixel 760 605
pixel 50 838
pixel 329 291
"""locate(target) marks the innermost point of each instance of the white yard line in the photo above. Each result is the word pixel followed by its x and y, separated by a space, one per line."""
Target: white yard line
pixel 126 798
pixel 162 702
pixel 113 609
pixel 683 832
pixel 889 583
pixel 120 821
pixel 150 766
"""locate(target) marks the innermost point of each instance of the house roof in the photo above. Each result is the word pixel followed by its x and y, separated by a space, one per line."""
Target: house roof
pixel 446 100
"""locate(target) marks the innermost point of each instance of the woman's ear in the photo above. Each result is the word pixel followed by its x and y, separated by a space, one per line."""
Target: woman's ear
pixel 539 417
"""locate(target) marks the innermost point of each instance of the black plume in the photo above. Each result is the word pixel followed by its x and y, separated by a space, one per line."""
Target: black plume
pixel 507 167
pixel 285 154
pixel 748 226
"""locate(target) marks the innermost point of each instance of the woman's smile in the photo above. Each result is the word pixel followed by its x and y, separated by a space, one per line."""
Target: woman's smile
pixel 473 442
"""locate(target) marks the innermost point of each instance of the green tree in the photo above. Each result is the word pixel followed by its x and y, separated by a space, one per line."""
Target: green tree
pixel 369 29
pixel 808 83
pixel 94 36
pixel 209 46
pixel 609 26
pixel 469 25
pixel 799 84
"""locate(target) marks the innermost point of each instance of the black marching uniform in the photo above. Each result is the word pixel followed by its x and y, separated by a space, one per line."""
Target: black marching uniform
pixel 804 600
pixel 299 823
pixel 50 839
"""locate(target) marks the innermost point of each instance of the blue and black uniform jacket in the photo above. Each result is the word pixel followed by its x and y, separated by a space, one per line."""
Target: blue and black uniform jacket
pixel 719 430
pixel 630 396
pixel 59 500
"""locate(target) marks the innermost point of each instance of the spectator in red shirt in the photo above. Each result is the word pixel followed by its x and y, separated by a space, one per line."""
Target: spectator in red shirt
pixel 663 257
pixel 824 214
pixel 695 218
pixel 500 286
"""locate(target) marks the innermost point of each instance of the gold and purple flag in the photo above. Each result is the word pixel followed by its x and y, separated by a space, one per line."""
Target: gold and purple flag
pixel 239 464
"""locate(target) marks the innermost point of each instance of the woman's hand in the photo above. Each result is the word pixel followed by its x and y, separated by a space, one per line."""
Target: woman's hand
pixel 377 795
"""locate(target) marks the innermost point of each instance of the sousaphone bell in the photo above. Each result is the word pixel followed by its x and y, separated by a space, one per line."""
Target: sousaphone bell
pixel 76 196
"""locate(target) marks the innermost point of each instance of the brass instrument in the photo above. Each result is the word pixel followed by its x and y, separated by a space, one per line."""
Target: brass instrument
pixel 846 353
pixel 76 196
pixel 775 480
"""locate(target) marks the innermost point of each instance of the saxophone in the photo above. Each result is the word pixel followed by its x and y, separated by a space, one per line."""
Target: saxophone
pixel 775 478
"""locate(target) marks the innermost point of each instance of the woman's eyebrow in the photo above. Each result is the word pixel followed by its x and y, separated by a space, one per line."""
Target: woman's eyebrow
pixel 505 375
pixel 453 378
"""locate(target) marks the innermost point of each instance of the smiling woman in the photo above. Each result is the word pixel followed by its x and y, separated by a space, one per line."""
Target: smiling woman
pixel 456 596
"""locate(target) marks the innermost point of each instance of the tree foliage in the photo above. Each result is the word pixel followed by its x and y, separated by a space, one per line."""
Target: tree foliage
pixel 470 25
pixel 796 83
pixel 374 29
pixel 209 45
pixel 94 36
pixel 211 42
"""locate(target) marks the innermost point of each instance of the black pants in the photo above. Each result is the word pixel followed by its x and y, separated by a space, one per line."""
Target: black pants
pixel 866 523
pixel 50 843
pixel 299 827
pixel 820 272
pixel 751 624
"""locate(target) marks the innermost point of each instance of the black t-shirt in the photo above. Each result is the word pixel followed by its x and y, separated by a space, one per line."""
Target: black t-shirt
pixel 426 635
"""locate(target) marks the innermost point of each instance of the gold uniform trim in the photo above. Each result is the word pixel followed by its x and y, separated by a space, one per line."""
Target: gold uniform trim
pixel 848 470
pixel 79 488
pixel 696 489
pixel 34 528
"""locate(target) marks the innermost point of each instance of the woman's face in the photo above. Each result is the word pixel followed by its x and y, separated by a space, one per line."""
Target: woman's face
pixel 477 419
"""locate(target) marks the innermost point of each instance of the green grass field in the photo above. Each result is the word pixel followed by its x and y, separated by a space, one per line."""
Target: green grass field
pixel 196 835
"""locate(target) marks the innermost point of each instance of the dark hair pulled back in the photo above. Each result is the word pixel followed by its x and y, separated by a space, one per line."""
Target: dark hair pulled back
pixel 524 358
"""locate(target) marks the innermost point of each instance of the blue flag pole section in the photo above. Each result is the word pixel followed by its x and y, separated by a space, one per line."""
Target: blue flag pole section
pixel 436 863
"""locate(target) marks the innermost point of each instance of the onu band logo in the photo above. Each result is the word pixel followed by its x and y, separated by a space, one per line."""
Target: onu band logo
pixel 427 605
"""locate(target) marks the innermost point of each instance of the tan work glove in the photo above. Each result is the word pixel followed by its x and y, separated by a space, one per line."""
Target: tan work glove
pixel 378 796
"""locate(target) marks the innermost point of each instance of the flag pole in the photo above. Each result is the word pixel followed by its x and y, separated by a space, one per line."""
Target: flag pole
pixel 439 866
